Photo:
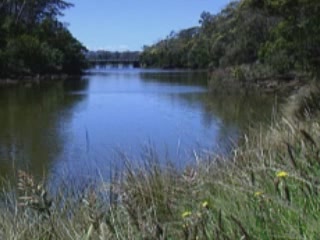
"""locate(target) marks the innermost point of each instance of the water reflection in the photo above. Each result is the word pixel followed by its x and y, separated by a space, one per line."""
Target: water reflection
pixel 81 129
pixel 31 126
pixel 180 77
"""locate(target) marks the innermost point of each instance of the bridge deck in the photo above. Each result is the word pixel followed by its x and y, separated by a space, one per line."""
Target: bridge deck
pixel 114 61
pixel 134 62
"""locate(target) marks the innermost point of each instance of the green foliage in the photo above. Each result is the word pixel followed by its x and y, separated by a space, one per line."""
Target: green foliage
pixel 295 40
pixel 27 55
pixel 282 34
pixel 229 38
pixel 172 51
pixel 33 41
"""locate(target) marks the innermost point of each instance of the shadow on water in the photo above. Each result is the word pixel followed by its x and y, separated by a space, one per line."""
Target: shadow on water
pixel 239 110
pixel 81 130
pixel 234 112
pixel 32 120
pixel 231 114
pixel 193 78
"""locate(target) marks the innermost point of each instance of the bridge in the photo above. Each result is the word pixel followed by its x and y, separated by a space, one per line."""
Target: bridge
pixel 134 62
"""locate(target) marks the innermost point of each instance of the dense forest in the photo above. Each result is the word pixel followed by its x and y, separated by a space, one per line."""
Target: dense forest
pixel 283 35
pixel 33 41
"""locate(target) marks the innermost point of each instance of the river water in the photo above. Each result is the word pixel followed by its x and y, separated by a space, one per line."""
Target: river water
pixel 83 128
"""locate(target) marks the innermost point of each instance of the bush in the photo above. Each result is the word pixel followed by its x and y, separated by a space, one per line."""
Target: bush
pixel 25 55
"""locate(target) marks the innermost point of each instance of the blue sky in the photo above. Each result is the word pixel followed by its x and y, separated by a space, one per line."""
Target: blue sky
pixel 130 24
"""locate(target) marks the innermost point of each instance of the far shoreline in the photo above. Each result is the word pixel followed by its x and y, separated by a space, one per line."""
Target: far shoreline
pixel 35 80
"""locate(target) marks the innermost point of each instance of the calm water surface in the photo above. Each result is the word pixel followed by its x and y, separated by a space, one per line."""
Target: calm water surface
pixel 83 128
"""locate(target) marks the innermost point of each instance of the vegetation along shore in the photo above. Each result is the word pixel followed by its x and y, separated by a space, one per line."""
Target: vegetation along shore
pixel 267 188
pixel 253 43
pixel 34 42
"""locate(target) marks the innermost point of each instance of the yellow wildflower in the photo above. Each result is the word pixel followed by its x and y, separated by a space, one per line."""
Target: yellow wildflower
pixel 186 214
pixel 205 204
pixel 257 194
pixel 282 174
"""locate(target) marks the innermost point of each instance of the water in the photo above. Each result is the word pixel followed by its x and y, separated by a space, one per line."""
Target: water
pixel 83 128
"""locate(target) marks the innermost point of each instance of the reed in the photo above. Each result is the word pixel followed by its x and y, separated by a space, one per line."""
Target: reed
pixel 267 189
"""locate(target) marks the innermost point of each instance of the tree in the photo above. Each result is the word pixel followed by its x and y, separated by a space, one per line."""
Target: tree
pixel 33 41
pixel 296 37
pixel 282 34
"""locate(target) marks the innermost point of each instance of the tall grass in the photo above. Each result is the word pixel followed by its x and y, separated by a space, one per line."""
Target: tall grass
pixel 267 189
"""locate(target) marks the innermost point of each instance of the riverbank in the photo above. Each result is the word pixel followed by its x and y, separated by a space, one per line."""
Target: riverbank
pixel 267 189
pixel 256 77
pixel 34 80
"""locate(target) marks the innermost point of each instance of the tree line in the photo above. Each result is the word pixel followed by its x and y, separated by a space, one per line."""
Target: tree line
pixel 33 40
pixel 284 35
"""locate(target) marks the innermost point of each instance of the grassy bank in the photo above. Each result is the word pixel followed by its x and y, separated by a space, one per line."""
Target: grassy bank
pixel 260 77
pixel 267 189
